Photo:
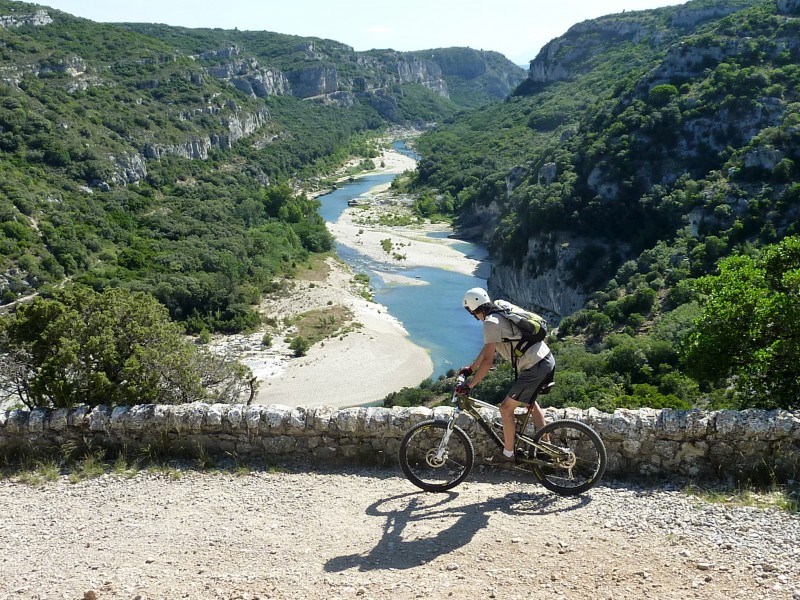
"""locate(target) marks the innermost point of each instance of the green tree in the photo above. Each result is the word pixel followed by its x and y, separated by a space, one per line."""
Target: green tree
pixel 114 348
pixel 750 327
pixel 661 94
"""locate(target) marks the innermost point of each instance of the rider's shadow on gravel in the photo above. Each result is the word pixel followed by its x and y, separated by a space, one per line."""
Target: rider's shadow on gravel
pixel 396 551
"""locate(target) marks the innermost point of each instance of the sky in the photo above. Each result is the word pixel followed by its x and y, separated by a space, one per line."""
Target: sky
pixel 516 28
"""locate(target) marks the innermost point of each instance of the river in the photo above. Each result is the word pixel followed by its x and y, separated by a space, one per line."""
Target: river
pixel 432 313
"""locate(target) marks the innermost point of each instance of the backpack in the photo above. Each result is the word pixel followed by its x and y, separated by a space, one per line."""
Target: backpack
pixel 532 328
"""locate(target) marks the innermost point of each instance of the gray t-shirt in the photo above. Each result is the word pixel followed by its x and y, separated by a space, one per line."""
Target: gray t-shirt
pixel 497 328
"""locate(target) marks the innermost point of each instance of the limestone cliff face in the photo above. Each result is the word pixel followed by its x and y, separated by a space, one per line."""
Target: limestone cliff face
pixel 38 18
pixel 238 126
pixel 479 222
pixel 322 81
pixel 563 57
pixel 129 168
pixel 399 67
pixel 250 78
pixel 427 73
pixel 691 16
pixel 314 81
pixel 548 288
pixel 570 54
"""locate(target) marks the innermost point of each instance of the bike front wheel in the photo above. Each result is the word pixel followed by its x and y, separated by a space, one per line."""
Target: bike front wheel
pixel 570 457
pixel 430 465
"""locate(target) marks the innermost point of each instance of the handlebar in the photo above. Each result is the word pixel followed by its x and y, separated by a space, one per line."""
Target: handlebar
pixel 459 380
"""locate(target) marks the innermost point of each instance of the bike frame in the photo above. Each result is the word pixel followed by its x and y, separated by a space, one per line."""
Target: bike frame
pixel 466 404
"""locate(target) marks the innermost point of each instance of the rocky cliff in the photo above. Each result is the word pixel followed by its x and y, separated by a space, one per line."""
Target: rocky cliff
pixel 322 80
pixel 675 48
pixel 546 280
pixel 571 54
pixel 238 126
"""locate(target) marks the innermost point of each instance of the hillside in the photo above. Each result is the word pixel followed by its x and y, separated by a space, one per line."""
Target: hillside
pixel 642 149
pixel 167 159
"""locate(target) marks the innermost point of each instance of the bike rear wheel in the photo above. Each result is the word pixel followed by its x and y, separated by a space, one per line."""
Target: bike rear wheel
pixel 418 456
pixel 575 457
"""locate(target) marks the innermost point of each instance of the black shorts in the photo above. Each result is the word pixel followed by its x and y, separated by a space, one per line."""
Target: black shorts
pixel 529 380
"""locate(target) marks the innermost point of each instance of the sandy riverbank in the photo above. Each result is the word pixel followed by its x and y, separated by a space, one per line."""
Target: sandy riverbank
pixel 377 357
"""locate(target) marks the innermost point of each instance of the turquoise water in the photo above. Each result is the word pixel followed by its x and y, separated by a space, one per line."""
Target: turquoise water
pixel 432 314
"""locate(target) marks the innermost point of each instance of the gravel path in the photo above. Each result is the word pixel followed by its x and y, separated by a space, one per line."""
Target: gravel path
pixel 367 533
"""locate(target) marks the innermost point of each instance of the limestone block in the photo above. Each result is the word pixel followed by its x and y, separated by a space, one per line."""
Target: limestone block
pixel 630 448
pixel 391 447
pixel 648 420
pixel 58 419
pixel 349 450
pixel 119 418
pixel 624 423
pixel 77 416
pixel 442 412
pixel 17 420
pixel 376 420
pixel 214 417
pixel 37 421
pixel 405 417
pixel 100 419
pixel 252 417
pixel 276 416
pixel 758 424
pixel 194 415
pixel 136 418
pixel 728 423
pixel 296 423
pixel 599 421
pixel 350 420
pixel 787 425
pixel 233 419
pixel 667 452
pixel 692 456
pixel 324 452
pixel 319 418
pixel 616 463
pixel 680 424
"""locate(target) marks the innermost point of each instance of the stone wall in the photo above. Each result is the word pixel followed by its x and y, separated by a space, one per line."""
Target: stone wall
pixel 721 444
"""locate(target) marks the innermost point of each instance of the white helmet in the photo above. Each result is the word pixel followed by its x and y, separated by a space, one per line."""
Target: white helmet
pixel 475 298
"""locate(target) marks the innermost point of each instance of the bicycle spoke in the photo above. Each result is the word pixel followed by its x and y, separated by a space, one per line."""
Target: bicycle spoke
pixel 578 462
pixel 425 466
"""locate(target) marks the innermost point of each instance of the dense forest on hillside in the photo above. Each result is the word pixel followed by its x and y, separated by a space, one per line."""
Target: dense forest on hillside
pixel 175 163
pixel 665 145
pixel 646 169
pixel 148 156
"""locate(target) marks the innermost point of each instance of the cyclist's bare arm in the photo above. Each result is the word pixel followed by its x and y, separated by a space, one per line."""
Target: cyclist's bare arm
pixel 481 365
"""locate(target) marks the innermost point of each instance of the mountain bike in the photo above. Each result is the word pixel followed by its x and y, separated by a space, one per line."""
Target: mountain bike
pixel 566 456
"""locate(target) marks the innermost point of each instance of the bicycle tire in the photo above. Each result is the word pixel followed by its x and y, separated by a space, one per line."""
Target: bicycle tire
pixel 419 464
pixel 585 464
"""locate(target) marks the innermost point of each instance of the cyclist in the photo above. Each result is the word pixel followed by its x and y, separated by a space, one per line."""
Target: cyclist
pixel 533 367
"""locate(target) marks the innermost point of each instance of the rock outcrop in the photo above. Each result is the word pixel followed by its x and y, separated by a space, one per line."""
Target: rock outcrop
pixel 314 81
pixel 566 56
pixel 239 126
pixel 39 18
pixel 322 81
pixel 545 281
pixel 690 15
